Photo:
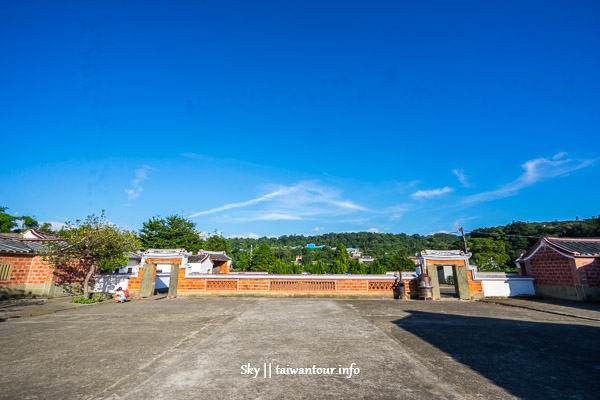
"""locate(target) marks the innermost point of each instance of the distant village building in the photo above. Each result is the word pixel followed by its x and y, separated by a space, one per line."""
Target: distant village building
pixel 563 268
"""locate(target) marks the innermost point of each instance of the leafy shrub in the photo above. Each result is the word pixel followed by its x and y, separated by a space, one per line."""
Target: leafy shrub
pixel 94 299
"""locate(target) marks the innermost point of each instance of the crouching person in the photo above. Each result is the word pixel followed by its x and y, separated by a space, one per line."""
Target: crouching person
pixel 120 295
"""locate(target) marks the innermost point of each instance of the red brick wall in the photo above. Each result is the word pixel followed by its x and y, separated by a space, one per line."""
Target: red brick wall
pixel 40 272
pixel 134 283
pixel 588 270
pixel 352 285
pixel 189 285
pixel 254 285
pixel 475 287
pixel 550 268
pixel 21 263
pixel 163 261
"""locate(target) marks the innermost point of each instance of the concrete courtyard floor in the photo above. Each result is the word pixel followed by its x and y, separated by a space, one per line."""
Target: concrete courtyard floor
pixel 197 348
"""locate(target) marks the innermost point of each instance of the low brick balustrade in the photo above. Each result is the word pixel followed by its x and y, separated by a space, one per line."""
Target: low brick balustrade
pixel 191 284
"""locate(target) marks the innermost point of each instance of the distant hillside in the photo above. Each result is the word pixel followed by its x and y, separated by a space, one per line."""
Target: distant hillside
pixel 520 236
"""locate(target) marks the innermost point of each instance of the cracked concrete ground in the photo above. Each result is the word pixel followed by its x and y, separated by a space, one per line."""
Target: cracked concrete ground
pixel 195 348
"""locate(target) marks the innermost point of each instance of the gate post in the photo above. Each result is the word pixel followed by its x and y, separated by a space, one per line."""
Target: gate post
pixel 173 280
pixel 462 283
pixel 147 281
pixel 435 282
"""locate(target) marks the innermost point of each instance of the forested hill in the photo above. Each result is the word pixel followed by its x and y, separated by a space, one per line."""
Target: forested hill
pixel 373 244
pixel 517 237
pixel 521 236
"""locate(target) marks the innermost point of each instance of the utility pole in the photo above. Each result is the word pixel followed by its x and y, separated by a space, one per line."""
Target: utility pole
pixel 462 231
pixel 250 254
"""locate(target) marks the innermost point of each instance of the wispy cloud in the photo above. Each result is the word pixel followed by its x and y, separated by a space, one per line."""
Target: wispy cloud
pixel 536 170
pixel 141 174
pixel 373 230
pixel 230 206
pixel 428 194
pixel 318 229
pixel 275 217
pixel 296 202
pixel 396 212
pixel 461 177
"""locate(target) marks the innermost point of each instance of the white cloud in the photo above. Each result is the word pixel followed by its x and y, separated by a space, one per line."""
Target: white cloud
pixel 304 199
pixel 249 235
pixel 275 217
pixel 536 170
pixel 373 230
pixel 141 174
pixel 318 229
pixel 428 194
pixel 434 233
pixel 461 177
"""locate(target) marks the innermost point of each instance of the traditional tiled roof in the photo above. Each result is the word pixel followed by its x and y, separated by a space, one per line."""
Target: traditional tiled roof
pixel 219 257
pixel 573 247
pixel 22 246
pixel 158 252
pixel 132 255
pixel 582 247
pixel 40 235
pixel 197 258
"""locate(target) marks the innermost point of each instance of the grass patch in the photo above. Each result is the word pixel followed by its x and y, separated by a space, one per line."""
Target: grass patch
pixel 94 299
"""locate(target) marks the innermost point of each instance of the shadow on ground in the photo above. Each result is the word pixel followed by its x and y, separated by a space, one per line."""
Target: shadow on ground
pixel 531 360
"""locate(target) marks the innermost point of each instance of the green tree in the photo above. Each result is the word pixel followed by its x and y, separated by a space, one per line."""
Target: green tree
pixel 10 223
pixel 171 232
pixel 7 221
pixel 279 267
pixel 339 267
pixel 46 227
pixel 341 254
pixel 400 263
pixel 357 268
pixel 263 259
pixel 243 263
pixel 94 244
pixel 376 268
pixel 488 254
pixel 319 268
pixel 296 269
pixel 217 243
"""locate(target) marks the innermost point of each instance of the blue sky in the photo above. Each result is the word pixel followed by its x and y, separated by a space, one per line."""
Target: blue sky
pixel 272 118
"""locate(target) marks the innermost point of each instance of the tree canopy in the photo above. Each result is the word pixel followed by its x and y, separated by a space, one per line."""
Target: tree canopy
pixel 217 243
pixel 263 259
pixel 94 244
pixel 10 223
pixel 171 232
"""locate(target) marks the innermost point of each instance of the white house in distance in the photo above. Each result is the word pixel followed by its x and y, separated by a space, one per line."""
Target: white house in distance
pixel 205 262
